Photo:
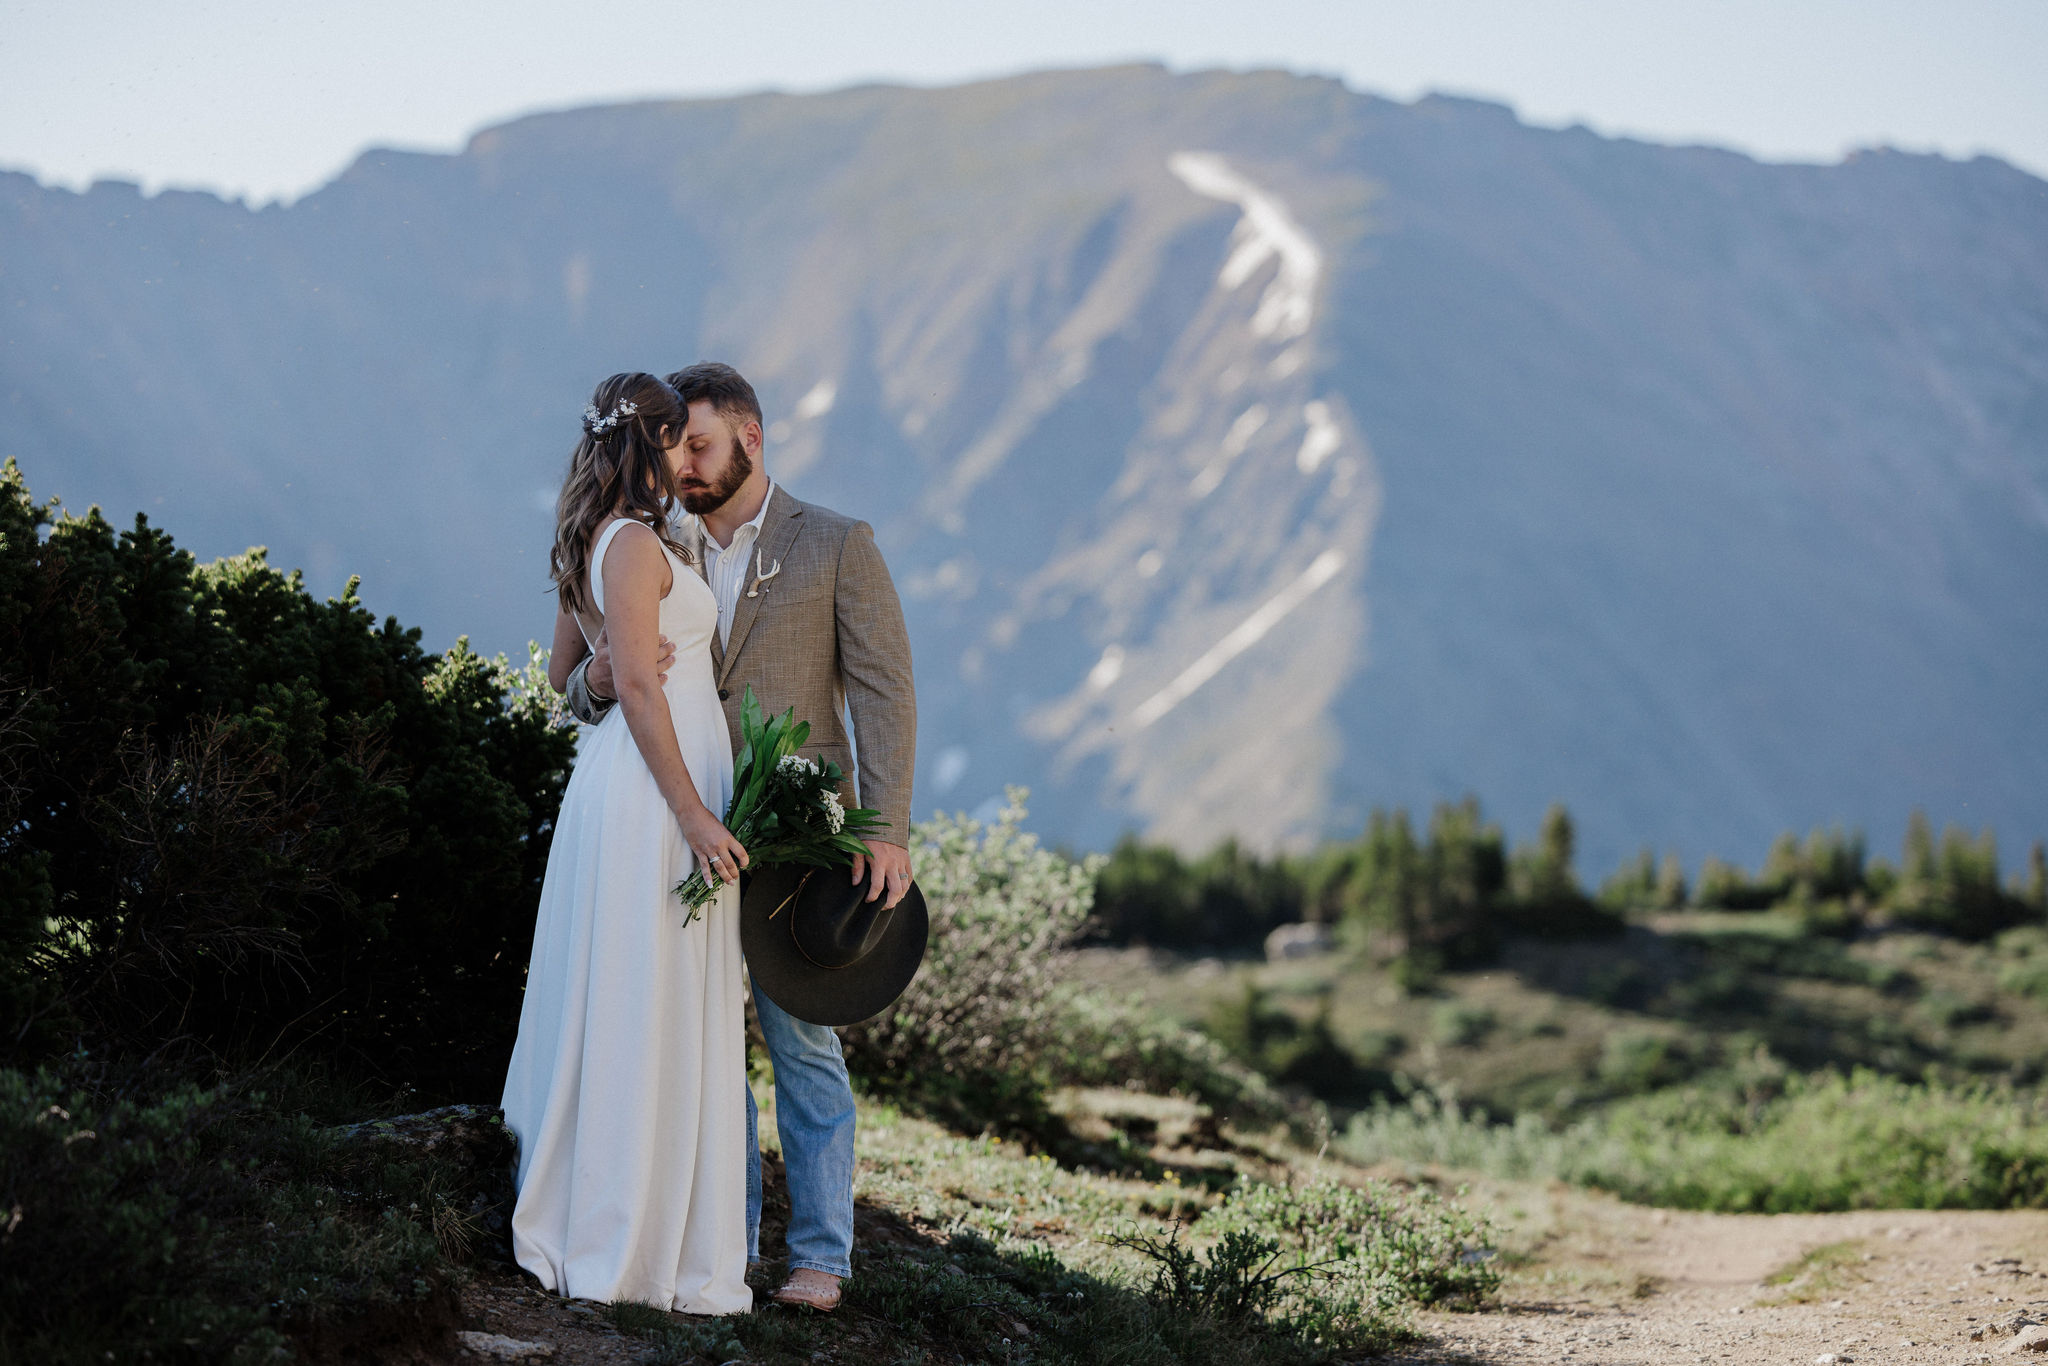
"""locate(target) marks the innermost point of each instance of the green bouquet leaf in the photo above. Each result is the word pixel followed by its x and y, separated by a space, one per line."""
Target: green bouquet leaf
pixel 785 808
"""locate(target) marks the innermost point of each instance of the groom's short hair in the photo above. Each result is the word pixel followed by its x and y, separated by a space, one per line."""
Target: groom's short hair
pixel 718 384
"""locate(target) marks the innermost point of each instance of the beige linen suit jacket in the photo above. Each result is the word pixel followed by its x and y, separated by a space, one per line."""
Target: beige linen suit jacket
pixel 825 632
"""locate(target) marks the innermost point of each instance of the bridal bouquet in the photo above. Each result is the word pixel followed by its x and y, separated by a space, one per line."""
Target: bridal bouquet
pixel 785 808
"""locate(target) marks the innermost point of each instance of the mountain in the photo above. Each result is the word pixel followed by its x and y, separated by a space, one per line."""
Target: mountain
pixel 1250 451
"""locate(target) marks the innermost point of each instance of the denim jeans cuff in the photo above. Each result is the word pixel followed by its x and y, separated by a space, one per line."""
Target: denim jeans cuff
pixel 842 1270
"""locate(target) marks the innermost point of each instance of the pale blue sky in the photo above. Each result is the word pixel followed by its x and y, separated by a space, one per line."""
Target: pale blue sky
pixel 267 98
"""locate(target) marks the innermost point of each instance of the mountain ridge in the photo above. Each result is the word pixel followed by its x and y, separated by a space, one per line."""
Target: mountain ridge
pixel 1683 487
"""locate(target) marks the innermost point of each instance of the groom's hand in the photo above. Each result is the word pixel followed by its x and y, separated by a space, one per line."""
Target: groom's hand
pixel 891 863
pixel 598 677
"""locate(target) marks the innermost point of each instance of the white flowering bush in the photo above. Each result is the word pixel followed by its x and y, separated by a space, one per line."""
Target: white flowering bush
pixel 994 1019
pixel 983 1009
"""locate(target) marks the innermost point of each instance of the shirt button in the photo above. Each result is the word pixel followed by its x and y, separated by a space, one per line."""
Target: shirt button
pixel 725 694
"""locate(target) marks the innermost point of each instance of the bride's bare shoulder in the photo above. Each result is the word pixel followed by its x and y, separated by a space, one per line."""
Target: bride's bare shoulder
pixel 635 553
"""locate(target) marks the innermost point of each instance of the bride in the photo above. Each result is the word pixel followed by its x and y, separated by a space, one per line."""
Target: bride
pixel 627 1087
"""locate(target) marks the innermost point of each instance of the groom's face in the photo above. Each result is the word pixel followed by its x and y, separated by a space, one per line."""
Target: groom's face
pixel 717 457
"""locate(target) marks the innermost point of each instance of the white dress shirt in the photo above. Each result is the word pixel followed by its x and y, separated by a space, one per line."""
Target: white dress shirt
pixel 728 570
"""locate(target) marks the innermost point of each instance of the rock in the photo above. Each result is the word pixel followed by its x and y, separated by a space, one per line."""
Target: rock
pixel 2032 1338
pixel 1832 1358
pixel 503 1348
pixel 1299 941
pixel 471 1138
pixel 472 1134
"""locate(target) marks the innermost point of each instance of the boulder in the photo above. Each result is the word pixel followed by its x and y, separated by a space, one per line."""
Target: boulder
pixel 1303 940
pixel 502 1348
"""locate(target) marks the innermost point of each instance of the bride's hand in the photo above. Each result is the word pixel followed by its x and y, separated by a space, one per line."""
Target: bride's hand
pixel 713 844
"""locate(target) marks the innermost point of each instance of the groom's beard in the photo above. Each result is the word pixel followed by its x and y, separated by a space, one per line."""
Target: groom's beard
pixel 702 498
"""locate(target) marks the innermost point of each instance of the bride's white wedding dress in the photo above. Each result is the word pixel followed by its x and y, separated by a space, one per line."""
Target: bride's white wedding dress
pixel 625 1083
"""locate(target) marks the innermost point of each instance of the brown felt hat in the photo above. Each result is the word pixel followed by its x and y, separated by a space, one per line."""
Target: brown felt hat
pixel 817 947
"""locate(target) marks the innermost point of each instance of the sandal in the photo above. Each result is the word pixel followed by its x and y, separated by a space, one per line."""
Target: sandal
pixel 810 1288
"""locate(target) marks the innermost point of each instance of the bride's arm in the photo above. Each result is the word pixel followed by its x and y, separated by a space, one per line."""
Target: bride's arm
pixel 636 575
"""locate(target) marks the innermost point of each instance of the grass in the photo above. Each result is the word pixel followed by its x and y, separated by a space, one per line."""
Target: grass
pixel 1820 1273
pixel 1219 1247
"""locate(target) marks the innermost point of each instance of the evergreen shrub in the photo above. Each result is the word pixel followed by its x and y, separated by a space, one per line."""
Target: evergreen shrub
pixel 237 816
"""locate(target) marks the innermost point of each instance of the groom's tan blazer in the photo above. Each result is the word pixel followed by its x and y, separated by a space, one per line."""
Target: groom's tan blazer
pixel 825 633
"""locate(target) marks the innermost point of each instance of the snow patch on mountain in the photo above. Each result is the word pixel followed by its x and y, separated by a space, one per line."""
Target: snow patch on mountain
pixel 1266 232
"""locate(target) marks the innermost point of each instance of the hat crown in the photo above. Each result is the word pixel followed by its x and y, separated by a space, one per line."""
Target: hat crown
pixel 838 930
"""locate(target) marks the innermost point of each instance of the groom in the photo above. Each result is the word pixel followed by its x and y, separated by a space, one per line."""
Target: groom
pixel 808 617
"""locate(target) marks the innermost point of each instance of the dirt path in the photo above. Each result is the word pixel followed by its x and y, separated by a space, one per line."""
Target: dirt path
pixel 1607 1284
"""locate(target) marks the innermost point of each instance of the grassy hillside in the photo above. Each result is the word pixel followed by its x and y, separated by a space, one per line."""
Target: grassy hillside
pixel 1711 1060
pixel 1556 1028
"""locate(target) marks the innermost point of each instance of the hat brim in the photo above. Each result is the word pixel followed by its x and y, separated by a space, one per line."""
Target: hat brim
pixel 820 995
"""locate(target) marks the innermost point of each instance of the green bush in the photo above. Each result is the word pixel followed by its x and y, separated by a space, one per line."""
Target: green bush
pixel 1431 1129
pixel 1635 1061
pixel 1403 1243
pixel 2023 962
pixel 1289 1050
pixel 1947 1009
pixel 1325 1268
pixel 1832 1143
pixel 1764 1142
pixel 252 819
pixel 1460 1025
pixel 1104 1042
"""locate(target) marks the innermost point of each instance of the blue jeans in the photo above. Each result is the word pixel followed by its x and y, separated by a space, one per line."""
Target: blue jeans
pixel 814 1116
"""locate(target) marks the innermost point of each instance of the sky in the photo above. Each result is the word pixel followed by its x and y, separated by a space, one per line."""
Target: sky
pixel 267 100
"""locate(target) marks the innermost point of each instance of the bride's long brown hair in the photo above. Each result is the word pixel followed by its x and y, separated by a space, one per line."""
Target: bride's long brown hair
pixel 619 468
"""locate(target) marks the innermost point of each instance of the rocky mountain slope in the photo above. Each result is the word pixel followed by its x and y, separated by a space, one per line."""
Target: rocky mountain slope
pixel 1250 451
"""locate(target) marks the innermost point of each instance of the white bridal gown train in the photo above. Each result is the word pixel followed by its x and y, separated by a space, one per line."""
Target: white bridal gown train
pixel 625 1089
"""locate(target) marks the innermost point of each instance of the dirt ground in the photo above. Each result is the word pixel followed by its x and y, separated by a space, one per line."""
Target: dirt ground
pixel 1616 1285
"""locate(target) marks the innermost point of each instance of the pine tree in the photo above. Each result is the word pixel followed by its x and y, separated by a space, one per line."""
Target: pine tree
pixel 1783 866
pixel 1916 862
pixel 1670 893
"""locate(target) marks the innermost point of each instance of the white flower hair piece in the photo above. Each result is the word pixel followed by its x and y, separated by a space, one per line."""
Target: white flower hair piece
pixel 598 426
